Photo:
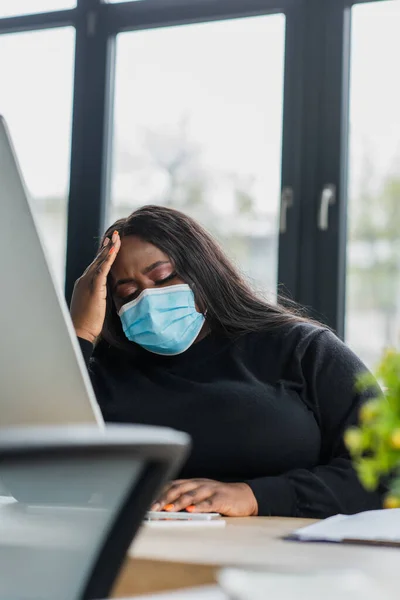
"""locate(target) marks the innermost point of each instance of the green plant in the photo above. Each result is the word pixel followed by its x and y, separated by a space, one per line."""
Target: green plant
pixel 375 444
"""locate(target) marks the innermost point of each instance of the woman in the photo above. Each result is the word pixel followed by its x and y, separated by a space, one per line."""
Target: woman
pixel 173 336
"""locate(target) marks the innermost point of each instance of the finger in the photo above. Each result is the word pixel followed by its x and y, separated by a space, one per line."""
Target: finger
pixel 167 487
pixel 175 491
pixel 102 269
pixel 100 258
pixel 167 500
pixel 193 497
pixel 104 252
pixel 174 485
pixel 157 505
pixel 111 254
pixel 177 483
pixel 108 249
pixel 209 504
pixel 164 491
pixel 105 248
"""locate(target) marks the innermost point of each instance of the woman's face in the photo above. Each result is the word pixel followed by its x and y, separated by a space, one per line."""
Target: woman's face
pixel 139 266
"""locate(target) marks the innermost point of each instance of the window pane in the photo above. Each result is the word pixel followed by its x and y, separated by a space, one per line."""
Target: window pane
pixel 198 120
pixel 373 276
pixel 12 8
pixel 36 100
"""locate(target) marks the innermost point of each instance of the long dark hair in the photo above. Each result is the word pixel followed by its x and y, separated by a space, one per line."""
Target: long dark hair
pixel 232 308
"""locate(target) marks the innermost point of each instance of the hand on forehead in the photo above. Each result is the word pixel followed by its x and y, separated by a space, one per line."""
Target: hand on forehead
pixel 138 266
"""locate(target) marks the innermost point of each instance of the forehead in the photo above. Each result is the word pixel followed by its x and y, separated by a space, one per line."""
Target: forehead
pixel 134 256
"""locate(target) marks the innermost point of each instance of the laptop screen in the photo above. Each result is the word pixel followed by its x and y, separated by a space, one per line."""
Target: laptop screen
pixel 56 521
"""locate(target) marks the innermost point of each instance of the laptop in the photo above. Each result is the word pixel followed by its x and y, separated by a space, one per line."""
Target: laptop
pixel 43 377
pixel 74 550
pixel 73 492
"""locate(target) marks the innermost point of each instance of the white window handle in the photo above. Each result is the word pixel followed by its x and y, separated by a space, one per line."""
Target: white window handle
pixel 328 198
pixel 287 198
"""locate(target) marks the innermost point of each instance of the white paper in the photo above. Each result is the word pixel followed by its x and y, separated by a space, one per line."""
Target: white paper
pixel 312 585
pixel 200 593
pixel 373 525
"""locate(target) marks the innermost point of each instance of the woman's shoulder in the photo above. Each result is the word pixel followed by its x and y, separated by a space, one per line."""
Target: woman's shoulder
pixel 292 350
pixel 298 334
pixel 278 347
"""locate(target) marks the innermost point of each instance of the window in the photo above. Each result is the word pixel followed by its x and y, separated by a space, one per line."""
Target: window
pixel 12 8
pixel 198 122
pixel 36 100
pixel 373 271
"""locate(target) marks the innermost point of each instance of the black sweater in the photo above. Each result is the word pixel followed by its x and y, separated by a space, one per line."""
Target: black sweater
pixel 268 408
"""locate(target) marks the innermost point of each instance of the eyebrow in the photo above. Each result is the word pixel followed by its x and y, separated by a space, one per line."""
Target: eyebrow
pixel 144 272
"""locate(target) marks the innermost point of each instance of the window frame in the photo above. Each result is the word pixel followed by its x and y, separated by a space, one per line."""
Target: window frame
pixel 88 221
pixel 312 263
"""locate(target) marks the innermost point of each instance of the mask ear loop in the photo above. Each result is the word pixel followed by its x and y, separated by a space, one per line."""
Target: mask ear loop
pixel 192 286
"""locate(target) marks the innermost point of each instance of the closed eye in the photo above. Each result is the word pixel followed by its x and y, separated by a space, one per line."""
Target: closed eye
pixel 166 279
pixel 126 299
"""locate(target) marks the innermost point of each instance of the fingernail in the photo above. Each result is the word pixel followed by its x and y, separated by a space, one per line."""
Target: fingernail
pixel 156 506
pixel 115 236
pixel 106 241
pixel 169 507
pixel 191 508
pixel 112 250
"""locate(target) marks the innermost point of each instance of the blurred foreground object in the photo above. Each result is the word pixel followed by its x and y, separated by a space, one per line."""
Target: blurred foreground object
pixel 78 496
pixel 375 444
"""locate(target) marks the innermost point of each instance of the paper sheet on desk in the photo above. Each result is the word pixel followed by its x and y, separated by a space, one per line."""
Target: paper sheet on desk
pixel 371 527
pixel 313 585
pixel 200 593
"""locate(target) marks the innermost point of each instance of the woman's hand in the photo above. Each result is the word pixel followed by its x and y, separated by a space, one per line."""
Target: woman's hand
pixel 206 495
pixel 88 304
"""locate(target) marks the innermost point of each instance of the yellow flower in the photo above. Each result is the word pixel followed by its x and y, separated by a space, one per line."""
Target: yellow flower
pixel 369 411
pixel 392 502
pixel 395 439
pixel 389 352
pixel 353 440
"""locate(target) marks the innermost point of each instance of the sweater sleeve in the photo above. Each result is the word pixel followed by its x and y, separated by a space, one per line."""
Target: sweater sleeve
pixel 86 349
pixel 329 370
pixel 97 376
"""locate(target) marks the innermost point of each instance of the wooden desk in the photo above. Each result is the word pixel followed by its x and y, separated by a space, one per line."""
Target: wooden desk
pixel 168 559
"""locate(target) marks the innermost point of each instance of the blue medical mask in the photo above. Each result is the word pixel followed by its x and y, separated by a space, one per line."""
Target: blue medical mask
pixel 162 320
